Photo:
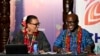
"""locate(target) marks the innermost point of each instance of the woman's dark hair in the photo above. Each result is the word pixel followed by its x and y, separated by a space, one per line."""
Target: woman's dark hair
pixel 30 17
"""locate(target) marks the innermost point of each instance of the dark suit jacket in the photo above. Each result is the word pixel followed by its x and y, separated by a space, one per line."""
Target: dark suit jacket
pixel 43 43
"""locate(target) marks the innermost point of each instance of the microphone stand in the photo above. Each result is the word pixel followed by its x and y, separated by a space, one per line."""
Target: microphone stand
pixel 8 42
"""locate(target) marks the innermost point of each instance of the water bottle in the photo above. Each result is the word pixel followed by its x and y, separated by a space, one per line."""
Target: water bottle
pixel 35 47
pixel 63 51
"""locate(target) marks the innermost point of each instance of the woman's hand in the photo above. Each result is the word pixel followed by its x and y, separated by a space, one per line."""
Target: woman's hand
pixel 41 51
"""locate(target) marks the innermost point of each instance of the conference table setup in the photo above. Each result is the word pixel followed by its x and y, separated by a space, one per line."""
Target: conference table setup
pixel 21 50
pixel 43 54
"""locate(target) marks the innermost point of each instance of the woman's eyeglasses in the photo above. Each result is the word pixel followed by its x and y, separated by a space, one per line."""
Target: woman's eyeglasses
pixel 36 24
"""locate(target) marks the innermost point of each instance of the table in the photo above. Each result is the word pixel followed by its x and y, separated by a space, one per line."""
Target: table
pixel 2 54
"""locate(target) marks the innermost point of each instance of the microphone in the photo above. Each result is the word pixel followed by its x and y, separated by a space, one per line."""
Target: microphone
pixel 8 41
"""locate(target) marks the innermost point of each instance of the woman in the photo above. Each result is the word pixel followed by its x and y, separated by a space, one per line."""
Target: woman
pixel 30 33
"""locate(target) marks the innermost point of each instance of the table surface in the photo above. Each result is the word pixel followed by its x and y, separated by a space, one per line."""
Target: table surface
pixel 3 54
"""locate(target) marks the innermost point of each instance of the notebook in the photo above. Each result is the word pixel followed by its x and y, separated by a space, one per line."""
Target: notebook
pixel 16 49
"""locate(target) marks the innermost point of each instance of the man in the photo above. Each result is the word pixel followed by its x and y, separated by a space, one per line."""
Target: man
pixel 75 40
pixel 30 33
